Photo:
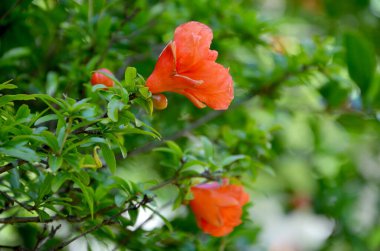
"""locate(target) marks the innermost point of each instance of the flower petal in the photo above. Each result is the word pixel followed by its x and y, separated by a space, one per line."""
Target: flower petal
pixel 214 230
pixel 161 78
pixel 193 40
pixel 204 207
pixel 231 215
pixel 217 90
pixel 236 192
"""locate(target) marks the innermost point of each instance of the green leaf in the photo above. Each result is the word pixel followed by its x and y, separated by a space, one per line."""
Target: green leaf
pixel 231 159
pixel 109 157
pixel 144 91
pixel 87 193
pixel 120 199
pixel 22 113
pixel 55 162
pixel 125 185
pixel 45 187
pixel 208 147
pixel 98 87
pixel 58 180
pixel 14 178
pixel 361 59
pixel 16 53
pixel 43 215
pixel 172 145
pixel 133 214
pixel 6 85
pixel 132 130
pixel 51 83
pixel 101 191
pixel 50 140
pixel 84 177
pixel 129 77
pixel 21 152
pixel 113 109
pixel 46 118
pixel 9 98
pixel 192 163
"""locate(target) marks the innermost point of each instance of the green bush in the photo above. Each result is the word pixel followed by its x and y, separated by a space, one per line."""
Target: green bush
pixel 82 165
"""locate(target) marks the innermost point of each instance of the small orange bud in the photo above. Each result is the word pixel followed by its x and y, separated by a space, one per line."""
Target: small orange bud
pixel 160 102
pixel 99 78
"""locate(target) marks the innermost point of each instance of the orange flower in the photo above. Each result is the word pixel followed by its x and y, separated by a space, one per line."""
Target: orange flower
pixel 99 78
pixel 218 208
pixel 187 66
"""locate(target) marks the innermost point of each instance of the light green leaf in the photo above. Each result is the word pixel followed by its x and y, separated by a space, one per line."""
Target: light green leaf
pixel 113 109
pixel 6 85
pixel 172 145
pixel 231 159
pixel 129 77
pixel 51 83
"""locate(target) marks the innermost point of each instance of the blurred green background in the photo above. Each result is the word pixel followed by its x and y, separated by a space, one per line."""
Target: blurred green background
pixel 306 108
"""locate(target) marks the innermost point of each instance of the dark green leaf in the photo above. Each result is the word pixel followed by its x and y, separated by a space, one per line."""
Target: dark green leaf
pixel 109 157
pixel 361 59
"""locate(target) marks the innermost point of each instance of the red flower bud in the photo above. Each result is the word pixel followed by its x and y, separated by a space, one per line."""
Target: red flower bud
pixel 160 102
pixel 218 207
pixel 99 78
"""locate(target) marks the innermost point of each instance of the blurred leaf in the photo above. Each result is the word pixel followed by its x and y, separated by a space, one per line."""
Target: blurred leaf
pixel 51 83
pixel 144 91
pixel 113 109
pixel 21 152
pixel 9 98
pixel 361 59
pixel 46 118
pixel 233 158
pixel 120 200
pixel 6 85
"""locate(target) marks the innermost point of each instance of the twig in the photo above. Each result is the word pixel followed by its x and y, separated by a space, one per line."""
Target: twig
pixel 13 200
pixel 105 222
pixel 11 247
pixel 6 168
pixel 42 239
pixel 125 240
pixel 164 183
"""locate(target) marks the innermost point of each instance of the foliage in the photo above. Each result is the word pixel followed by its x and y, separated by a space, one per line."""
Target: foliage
pixel 78 160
